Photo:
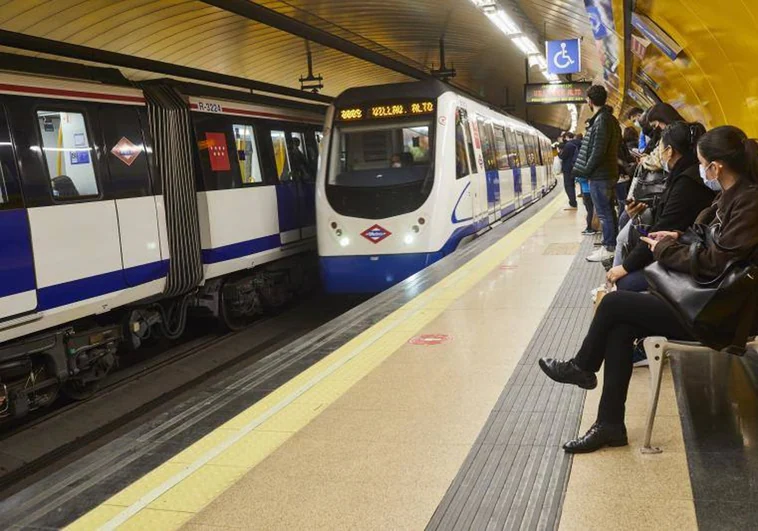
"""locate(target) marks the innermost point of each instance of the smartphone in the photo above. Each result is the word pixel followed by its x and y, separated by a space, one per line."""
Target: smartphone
pixel 642 230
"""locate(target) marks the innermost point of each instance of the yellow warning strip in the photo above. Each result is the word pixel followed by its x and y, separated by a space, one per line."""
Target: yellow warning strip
pixel 170 495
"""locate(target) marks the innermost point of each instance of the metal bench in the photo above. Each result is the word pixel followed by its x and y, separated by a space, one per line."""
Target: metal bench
pixel 657 350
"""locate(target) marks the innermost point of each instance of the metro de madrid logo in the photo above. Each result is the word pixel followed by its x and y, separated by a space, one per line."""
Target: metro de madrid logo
pixel 376 233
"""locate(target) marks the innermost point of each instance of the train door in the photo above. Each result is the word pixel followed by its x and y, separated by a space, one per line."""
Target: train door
pixel 132 190
pixel 492 179
pixel 533 156
pixel 305 154
pixel 18 293
pixel 478 179
pixel 287 160
pixel 523 185
pixel 74 224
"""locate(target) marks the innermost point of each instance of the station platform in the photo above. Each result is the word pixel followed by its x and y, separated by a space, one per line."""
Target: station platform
pixel 425 408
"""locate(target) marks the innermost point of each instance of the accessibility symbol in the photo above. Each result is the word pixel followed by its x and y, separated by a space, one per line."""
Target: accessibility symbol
pixel 564 57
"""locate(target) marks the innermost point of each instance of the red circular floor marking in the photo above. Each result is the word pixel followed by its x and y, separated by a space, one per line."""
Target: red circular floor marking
pixel 430 339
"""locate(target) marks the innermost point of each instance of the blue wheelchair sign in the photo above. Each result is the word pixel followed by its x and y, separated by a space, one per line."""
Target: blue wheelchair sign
pixel 564 57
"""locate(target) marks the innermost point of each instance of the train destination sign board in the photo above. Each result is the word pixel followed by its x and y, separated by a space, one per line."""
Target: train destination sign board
pixel 552 93
pixel 387 110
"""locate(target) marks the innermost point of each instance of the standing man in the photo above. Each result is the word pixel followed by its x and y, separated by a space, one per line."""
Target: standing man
pixel 598 162
pixel 568 155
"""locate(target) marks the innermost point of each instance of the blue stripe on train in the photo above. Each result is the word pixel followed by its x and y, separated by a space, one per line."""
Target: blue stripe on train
pixel 95 286
pixel 238 250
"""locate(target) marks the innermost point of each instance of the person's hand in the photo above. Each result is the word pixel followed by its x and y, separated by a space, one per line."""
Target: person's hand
pixel 649 241
pixel 661 234
pixel 616 273
pixel 635 209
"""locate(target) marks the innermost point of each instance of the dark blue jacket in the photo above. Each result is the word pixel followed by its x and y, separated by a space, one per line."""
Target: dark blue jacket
pixel 568 155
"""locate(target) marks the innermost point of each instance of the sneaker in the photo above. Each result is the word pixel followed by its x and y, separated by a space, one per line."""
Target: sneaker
pixel 589 232
pixel 571 207
pixel 639 359
pixel 608 263
pixel 600 254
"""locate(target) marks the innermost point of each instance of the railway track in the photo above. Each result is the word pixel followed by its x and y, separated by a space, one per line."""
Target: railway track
pixel 53 437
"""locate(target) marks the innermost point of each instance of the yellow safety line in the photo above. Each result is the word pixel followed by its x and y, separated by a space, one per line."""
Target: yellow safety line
pixel 174 492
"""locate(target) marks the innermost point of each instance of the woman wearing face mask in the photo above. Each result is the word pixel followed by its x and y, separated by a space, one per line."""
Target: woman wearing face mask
pixel 683 199
pixel 622 317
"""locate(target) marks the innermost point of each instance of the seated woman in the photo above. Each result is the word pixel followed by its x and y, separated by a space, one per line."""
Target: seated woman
pixel 726 154
pixel 683 199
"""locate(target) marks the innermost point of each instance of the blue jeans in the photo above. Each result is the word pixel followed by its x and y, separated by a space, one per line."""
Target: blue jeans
pixel 622 239
pixel 601 192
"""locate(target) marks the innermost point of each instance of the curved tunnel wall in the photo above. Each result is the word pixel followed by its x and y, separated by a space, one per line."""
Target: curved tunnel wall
pixel 715 80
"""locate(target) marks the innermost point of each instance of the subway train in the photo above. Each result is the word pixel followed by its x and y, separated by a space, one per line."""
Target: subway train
pixel 123 207
pixel 408 172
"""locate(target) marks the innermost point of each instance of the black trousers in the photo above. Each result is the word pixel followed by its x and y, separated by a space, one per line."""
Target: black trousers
pixel 620 319
pixel 570 187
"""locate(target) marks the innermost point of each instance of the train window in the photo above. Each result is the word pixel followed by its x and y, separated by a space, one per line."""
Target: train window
pixel 281 157
pixel 513 158
pixel 124 152
pixel 247 154
pixel 522 158
pixel 461 162
pixel 385 154
pixel 488 150
pixel 501 148
pixel 469 139
pixel 300 163
pixel 68 154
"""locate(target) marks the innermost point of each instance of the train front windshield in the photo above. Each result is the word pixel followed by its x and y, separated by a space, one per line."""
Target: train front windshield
pixel 380 169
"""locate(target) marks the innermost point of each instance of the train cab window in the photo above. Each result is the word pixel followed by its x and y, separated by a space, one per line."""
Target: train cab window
pixel 501 149
pixel 281 157
pixel 461 162
pixel 247 154
pixel 68 153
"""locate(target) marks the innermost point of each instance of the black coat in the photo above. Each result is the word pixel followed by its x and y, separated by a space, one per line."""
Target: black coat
pixel 598 156
pixel 568 155
pixel 684 198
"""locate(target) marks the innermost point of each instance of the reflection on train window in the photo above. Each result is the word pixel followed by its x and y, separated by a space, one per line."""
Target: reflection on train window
pixel 247 154
pixel 68 154
pixel 381 155
pixel 501 149
pixel 471 153
pixel 523 161
pixel 319 137
pixel 461 162
pixel 279 140
pixel 3 187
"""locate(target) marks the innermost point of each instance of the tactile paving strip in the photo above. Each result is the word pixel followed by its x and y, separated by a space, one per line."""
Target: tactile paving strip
pixel 516 473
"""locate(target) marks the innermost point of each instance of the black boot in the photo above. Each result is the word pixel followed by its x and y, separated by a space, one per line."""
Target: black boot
pixel 598 436
pixel 566 371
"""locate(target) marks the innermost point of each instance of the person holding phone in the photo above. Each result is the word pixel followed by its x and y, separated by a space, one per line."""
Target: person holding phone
pixel 684 197
pixel 623 317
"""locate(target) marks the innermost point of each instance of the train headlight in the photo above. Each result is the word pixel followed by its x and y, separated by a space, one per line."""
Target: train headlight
pixel 408 239
pixel 344 241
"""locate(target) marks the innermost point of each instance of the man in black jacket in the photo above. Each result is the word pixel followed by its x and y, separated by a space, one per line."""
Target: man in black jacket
pixel 568 155
pixel 598 162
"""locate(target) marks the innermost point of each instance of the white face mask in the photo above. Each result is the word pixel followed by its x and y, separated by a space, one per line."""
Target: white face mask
pixel 712 184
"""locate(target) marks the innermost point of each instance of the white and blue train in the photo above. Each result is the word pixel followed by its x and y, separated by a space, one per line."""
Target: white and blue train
pixel 121 207
pixel 408 171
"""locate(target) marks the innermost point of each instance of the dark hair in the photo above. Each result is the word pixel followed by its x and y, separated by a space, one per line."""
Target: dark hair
pixel 631 135
pixel 597 95
pixel 731 146
pixel 665 113
pixel 683 137
pixel 569 135
pixel 632 112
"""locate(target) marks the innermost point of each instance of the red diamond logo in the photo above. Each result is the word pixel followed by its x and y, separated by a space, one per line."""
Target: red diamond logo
pixel 376 233
pixel 126 151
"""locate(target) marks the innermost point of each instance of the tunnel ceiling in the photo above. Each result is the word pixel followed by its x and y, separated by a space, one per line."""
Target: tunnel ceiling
pixel 194 33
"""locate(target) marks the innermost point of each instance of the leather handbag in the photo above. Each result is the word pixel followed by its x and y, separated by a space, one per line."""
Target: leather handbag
pixel 647 186
pixel 720 313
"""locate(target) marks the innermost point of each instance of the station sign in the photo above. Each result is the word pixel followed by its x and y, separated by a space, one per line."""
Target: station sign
pixel 385 110
pixel 553 93
pixel 564 57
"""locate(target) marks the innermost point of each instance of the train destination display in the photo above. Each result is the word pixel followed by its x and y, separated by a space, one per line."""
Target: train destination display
pixel 388 110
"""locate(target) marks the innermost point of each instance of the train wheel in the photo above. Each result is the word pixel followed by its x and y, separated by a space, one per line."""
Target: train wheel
pixel 240 304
